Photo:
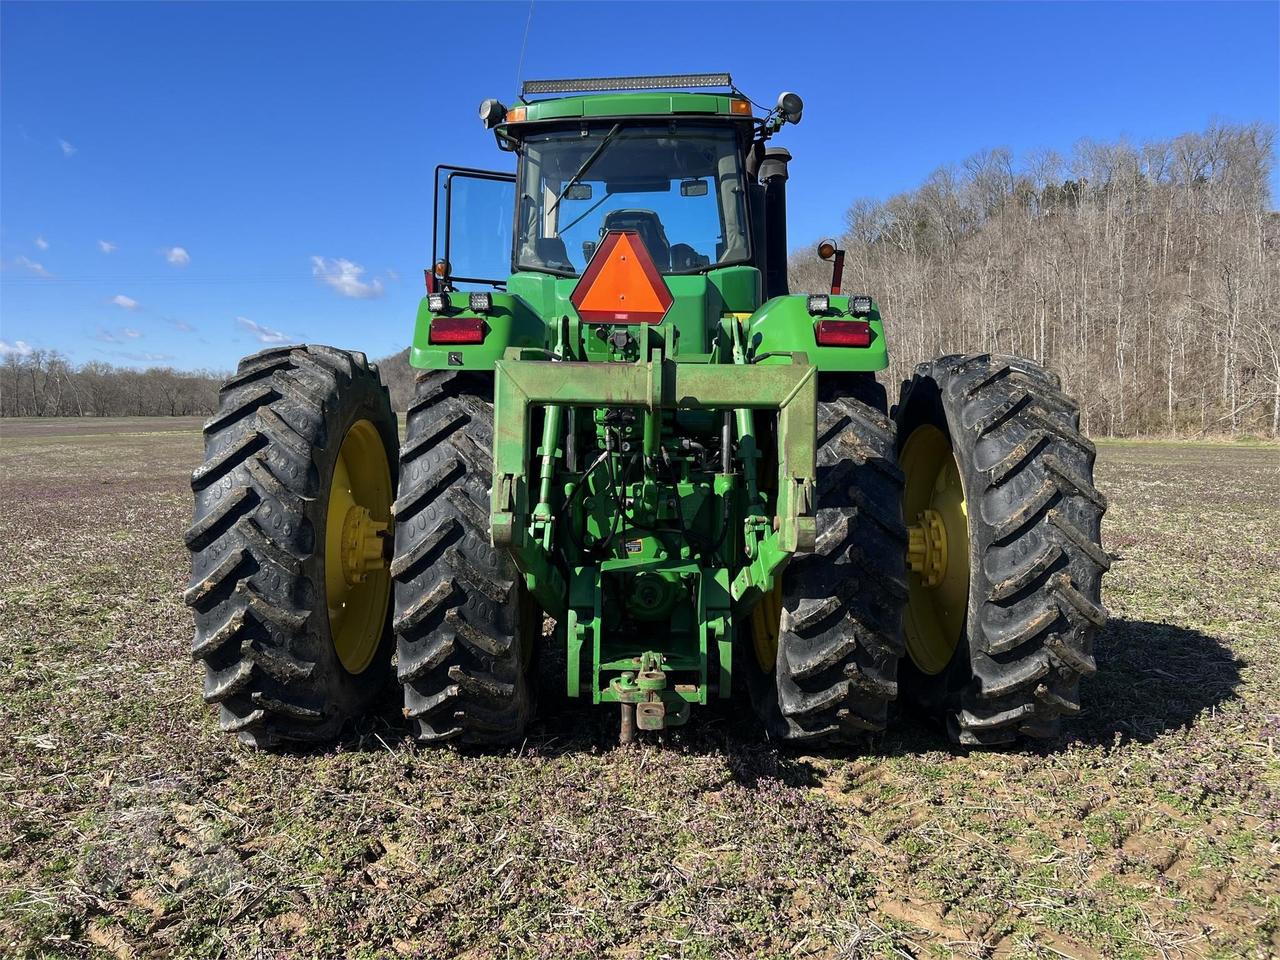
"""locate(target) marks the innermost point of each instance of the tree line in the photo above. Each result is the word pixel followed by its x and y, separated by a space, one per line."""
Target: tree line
pixel 1147 276
pixel 43 383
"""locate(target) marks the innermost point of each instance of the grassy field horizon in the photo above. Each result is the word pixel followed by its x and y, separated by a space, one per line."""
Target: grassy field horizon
pixel 18 427
pixel 131 827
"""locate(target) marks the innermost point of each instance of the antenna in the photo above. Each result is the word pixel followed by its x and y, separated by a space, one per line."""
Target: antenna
pixel 524 44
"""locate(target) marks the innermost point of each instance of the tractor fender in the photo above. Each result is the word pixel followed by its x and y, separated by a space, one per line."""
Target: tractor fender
pixel 509 323
pixel 783 325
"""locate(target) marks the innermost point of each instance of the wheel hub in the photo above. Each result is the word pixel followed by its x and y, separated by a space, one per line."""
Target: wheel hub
pixel 363 540
pixel 927 548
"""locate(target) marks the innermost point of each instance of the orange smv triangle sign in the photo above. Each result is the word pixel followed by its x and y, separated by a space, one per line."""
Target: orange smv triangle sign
pixel 621 283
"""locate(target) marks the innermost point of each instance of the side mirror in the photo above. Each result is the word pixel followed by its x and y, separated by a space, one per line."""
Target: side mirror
pixel 693 188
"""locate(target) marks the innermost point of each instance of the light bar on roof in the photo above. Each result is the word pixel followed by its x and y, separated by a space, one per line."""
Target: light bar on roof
pixel 672 81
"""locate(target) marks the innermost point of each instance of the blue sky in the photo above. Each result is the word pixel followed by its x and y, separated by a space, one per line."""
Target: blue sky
pixel 170 173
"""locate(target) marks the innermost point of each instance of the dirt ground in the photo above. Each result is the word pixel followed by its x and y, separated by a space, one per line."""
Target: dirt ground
pixel 130 827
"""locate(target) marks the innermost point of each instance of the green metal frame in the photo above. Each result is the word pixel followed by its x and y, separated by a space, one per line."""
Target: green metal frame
pixel 521 381
pixel 522 512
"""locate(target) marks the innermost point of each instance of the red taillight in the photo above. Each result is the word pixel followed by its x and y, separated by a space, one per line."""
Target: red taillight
pixel 843 333
pixel 457 330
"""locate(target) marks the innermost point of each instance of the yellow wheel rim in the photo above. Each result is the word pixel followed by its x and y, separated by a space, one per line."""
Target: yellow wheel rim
pixel 933 505
pixel 356 578
pixel 765 621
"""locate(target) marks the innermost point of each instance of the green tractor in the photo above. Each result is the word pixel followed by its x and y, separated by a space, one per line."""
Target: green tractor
pixel 626 425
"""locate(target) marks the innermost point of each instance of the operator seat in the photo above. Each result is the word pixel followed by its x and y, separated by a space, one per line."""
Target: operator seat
pixel 647 224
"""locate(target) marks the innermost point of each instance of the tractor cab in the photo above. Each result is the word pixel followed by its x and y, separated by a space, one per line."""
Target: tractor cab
pixel 682 191
pixel 685 173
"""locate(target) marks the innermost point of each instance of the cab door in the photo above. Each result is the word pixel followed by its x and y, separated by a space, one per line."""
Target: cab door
pixel 474 222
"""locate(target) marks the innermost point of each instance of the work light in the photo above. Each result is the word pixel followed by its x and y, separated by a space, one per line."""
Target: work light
pixel 859 306
pixel 437 302
pixel 492 113
pixel 819 303
pixel 791 106
pixel 481 302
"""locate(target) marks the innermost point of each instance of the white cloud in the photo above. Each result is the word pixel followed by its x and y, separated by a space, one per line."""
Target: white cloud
pixel 120 300
pixel 26 263
pixel 42 243
pixel 263 334
pixel 140 357
pixel 106 246
pixel 19 348
pixel 392 274
pixel 67 149
pixel 181 325
pixel 344 276
pixel 178 256
pixel 124 335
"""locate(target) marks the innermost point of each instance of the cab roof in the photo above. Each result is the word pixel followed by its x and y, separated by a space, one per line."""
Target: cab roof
pixel 645 96
pixel 646 104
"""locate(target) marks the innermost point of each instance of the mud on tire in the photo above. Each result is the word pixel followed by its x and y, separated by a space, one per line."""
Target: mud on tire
pixel 258 544
pixel 1036 560
pixel 841 620
pixel 463 621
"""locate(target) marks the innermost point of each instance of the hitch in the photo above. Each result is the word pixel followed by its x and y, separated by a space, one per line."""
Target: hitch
pixel 644 699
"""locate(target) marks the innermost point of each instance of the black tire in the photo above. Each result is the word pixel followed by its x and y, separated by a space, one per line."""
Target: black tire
pixel 841 622
pixel 258 544
pixel 1036 559
pixel 862 386
pixel 464 623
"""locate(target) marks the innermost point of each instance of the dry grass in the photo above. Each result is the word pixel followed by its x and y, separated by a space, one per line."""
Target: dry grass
pixel 130 827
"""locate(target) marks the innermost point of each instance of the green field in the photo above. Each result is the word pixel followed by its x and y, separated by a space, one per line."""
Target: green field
pixel 130 827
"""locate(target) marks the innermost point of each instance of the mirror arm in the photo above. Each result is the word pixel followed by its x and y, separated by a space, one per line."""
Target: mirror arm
pixel 837 272
pixel 506 142
pixel 827 250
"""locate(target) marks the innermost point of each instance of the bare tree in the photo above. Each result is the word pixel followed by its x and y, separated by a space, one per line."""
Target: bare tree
pixel 44 384
pixel 1147 276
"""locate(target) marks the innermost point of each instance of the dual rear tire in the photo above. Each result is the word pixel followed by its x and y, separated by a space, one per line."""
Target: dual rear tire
pixel 293 508
pixel 999 640
pixel 293 560
pixel 464 623
pixel 825 645
pixel 983 485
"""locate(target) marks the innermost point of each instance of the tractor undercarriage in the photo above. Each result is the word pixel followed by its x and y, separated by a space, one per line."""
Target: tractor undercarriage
pixel 644 512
